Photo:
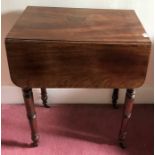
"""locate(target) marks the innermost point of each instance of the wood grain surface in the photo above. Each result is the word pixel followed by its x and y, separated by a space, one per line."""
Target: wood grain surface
pixel 71 24
pixel 77 48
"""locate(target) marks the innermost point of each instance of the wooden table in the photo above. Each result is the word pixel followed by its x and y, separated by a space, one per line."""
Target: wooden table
pixel 77 48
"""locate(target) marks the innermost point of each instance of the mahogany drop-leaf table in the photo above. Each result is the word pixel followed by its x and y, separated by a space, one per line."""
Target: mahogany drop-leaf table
pixel 77 48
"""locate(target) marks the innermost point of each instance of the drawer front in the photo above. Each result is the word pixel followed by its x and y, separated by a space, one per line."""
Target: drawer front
pixel 76 65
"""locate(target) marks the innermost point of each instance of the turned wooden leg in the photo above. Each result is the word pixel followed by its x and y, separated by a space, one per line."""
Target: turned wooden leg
pixel 31 114
pixel 44 97
pixel 129 99
pixel 115 98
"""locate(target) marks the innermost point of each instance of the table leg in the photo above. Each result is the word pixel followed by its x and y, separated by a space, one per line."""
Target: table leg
pixel 44 97
pixel 129 100
pixel 31 114
pixel 115 98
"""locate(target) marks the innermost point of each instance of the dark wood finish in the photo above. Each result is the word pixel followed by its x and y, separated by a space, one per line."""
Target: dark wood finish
pixel 31 114
pixel 77 48
pixel 115 98
pixel 44 97
pixel 66 65
pixel 129 100
pixel 79 25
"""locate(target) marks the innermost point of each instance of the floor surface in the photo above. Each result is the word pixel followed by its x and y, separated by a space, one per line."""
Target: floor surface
pixel 78 129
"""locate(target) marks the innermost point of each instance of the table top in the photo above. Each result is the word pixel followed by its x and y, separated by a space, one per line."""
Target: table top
pixel 77 48
pixel 79 25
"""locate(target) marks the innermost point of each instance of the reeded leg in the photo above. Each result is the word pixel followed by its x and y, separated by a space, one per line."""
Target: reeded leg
pixel 44 97
pixel 129 99
pixel 31 114
pixel 115 98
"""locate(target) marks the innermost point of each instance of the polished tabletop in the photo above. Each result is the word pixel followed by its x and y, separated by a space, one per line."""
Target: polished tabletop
pixel 78 48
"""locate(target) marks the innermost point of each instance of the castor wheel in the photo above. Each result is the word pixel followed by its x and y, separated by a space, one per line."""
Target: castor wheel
pixel 34 144
pixel 123 144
